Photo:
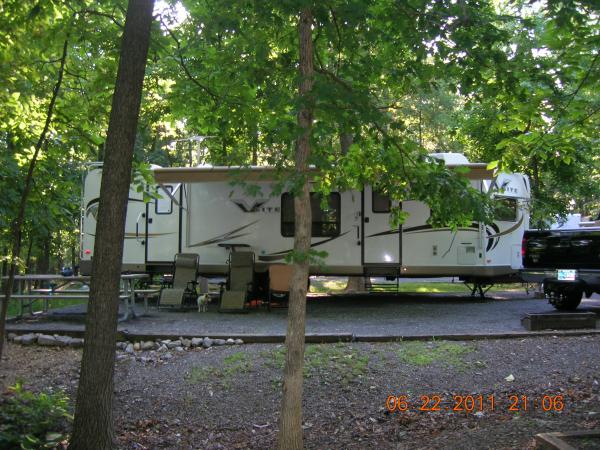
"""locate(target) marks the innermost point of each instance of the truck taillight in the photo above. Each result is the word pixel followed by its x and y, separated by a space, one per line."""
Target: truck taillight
pixel 523 247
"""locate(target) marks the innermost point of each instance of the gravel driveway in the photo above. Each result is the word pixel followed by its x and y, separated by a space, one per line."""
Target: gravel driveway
pixel 359 315
pixel 228 397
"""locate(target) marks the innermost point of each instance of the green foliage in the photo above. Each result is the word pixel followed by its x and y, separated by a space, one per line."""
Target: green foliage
pixel 543 117
pixel 32 37
pixel 312 256
pixel 33 421
pixel 426 353
pixel 501 81
pixel 341 361
pixel 233 365
pixel 239 72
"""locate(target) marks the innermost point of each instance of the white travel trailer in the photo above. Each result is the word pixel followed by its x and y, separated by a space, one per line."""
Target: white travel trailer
pixel 201 211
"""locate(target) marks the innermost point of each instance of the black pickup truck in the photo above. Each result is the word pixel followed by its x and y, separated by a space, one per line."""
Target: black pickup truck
pixel 567 262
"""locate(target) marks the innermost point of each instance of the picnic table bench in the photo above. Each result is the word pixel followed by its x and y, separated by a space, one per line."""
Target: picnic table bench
pixel 25 291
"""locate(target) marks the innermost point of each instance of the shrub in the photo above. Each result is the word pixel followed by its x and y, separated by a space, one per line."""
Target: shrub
pixel 33 421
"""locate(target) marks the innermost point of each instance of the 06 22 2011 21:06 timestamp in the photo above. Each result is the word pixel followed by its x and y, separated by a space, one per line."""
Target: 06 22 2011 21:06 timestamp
pixel 472 403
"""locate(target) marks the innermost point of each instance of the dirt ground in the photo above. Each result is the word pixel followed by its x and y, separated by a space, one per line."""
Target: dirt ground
pixel 228 397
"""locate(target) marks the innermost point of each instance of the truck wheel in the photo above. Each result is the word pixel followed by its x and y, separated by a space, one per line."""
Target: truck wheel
pixel 566 300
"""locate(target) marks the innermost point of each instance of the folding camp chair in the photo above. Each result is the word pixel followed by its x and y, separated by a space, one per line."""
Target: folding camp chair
pixel 280 278
pixel 239 283
pixel 183 288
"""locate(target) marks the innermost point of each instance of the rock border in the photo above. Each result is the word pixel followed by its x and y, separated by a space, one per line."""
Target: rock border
pixel 46 340
pixel 160 345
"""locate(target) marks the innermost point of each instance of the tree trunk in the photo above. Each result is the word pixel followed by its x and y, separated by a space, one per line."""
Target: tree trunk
pixel 4 266
pixel 356 284
pixel 28 257
pixel 17 226
pixel 43 265
pixel 74 258
pixel 346 140
pixel 254 139
pixel 93 426
pixel 290 421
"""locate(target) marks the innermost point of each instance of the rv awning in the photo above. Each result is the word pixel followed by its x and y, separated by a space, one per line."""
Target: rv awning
pixel 216 173
pixel 477 171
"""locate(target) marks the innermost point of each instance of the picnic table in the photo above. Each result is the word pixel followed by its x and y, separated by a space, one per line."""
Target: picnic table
pixel 25 290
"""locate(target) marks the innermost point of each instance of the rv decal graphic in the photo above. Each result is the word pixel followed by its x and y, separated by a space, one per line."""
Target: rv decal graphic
pixel 137 236
pixel 92 206
pixel 254 206
pixel 282 254
pixel 384 233
pixel 226 236
pixel 492 241
pixel 492 232
pixel 423 229
pixel 507 231
pixel 429 229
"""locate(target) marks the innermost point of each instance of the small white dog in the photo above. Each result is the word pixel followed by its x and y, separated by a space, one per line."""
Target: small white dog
pixel 202 301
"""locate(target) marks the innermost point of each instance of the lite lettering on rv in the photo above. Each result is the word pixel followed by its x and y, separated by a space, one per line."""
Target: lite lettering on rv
pixel 253 206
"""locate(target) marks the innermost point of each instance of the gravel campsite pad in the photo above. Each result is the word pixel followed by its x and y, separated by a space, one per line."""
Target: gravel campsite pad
pixel 228 397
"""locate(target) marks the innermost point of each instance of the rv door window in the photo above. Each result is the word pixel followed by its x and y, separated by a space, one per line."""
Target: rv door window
pixel 381 203
pixel 505 209
pixel 164 204
pixel 325 221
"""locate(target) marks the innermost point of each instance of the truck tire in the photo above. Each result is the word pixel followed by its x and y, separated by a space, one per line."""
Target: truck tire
pixel 565 300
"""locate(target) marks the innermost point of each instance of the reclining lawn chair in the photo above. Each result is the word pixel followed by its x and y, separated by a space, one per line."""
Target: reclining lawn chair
pixel 280 278
pixel 240 282
pixel 185 279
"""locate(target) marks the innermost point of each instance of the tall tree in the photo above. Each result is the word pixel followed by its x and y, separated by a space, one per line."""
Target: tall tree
pixel 290 422
pixel 93 427
pixel 32 39
pixel 17 226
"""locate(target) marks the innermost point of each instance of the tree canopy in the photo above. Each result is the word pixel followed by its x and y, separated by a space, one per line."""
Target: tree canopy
pixel 512 82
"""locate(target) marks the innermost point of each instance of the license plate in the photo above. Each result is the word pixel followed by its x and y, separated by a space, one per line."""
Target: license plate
pixel 566 275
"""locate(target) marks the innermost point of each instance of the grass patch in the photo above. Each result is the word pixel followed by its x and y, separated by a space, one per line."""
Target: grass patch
pixel 432 288
pixel 38 305
pixel 346 362
pixel 419 353
pixel 233 365
pixel 324 285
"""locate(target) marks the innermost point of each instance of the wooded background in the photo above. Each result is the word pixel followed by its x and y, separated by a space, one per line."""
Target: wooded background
pixel 514 82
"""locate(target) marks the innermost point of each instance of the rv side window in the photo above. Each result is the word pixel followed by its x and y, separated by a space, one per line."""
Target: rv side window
pixel 325 222
pixel 380 202
pixel 505 209
pixel 164 205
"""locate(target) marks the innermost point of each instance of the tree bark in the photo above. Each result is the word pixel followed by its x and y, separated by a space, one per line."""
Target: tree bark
pixel 93 426
pixel 17 226
pixel 356 284
pixel 28 267
pixel 290 421
pixel 43 264
pixel 346 140
pixel 4 267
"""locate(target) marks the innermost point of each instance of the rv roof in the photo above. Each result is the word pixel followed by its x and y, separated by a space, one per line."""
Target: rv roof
pixel 478 171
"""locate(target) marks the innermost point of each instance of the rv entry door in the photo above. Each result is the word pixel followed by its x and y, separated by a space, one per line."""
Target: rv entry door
pixel 163 225
pixel 381 242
